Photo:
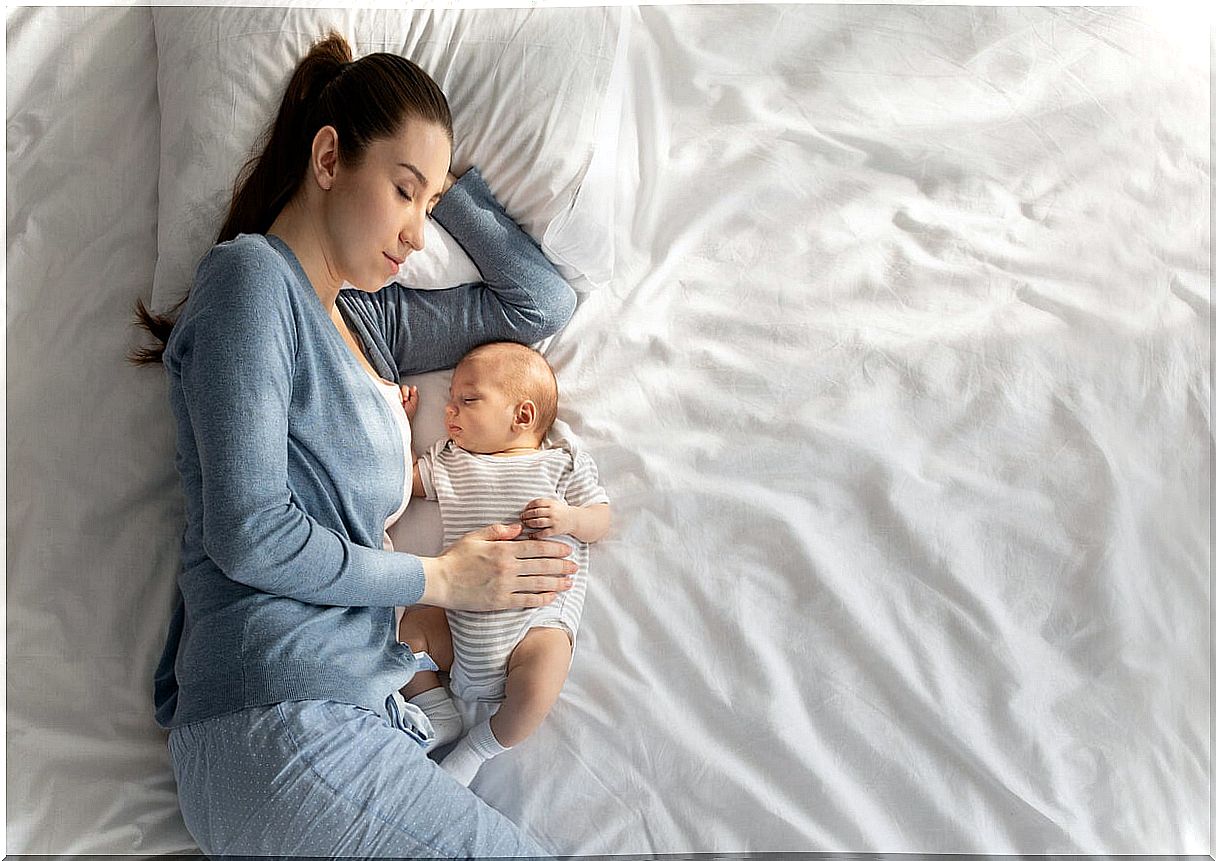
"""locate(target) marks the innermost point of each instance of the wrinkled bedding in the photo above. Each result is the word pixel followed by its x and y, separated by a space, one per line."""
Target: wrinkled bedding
pixel 901 390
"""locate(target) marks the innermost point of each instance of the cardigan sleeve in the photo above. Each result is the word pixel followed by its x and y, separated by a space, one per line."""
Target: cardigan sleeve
pixel 522 297
pixel 234 359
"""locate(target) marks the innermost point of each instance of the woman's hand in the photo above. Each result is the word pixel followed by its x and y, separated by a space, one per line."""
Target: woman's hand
pixel 487 570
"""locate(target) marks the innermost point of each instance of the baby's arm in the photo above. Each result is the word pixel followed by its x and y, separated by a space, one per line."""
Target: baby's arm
pixel 409 401
pixel 584 513
pixel 593 522
pixel 586 523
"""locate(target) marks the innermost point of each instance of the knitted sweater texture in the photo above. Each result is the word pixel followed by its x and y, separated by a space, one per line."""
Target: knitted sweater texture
pixel 290 462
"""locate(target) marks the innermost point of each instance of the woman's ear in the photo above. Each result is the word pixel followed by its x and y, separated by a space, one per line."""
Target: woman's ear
pixel 324 161
pixel 525 416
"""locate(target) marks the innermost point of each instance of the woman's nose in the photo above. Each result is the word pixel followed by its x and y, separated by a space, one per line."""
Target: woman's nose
pixel 414 234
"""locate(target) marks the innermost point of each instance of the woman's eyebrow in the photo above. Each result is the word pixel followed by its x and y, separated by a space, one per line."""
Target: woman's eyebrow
pixel 416 171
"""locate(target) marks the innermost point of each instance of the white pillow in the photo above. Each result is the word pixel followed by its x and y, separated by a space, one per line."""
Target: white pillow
pixel 527 87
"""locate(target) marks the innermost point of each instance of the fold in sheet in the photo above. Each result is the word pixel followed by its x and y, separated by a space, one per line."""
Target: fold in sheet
pixel 901 392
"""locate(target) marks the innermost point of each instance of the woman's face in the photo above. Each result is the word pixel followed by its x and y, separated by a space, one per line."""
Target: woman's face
pixel 376 212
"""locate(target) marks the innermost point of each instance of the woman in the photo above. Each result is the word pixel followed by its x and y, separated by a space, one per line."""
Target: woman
pixel 282 656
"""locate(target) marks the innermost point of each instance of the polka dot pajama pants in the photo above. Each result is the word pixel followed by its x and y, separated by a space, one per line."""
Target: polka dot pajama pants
pixel 320 778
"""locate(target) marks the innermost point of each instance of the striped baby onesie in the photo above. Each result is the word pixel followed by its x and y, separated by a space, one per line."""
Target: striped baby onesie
pixel 475 490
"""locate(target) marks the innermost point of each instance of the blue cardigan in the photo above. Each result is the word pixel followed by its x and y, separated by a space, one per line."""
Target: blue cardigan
pixel 290 461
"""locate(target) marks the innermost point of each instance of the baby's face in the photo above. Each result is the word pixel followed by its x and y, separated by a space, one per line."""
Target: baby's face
pixel 479 413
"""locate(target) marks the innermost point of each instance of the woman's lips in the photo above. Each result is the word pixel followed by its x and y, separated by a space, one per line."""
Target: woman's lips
pixel 396 264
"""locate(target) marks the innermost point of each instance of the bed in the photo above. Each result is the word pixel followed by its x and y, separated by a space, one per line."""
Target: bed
pixel 892 346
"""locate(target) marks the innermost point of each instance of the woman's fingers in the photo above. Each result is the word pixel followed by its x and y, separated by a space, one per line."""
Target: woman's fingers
pixel 539 560
pixel 536 549
pixel 544 568
pixel 538 585
pixel 543 557
pixel 487 570
pixel 523 599
pixel 498 531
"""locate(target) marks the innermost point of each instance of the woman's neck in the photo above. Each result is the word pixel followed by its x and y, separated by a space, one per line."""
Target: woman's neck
pixel 295 226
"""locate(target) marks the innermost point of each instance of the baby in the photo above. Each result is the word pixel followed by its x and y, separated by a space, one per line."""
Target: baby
pixel 498 467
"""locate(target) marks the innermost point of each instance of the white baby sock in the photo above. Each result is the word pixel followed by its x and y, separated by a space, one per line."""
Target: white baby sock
pixel 441 711
pixel 466 758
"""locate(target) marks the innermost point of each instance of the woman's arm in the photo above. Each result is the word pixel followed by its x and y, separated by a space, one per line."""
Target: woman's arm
pixel 522 297
pixel 231 361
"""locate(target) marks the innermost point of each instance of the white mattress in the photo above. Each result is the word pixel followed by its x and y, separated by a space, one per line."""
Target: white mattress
pixel 902 392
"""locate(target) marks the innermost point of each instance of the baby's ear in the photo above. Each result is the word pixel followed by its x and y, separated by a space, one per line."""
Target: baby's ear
pixel 525 414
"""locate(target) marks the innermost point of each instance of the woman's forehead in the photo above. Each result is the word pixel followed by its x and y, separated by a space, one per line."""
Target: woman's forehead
pixel 419 147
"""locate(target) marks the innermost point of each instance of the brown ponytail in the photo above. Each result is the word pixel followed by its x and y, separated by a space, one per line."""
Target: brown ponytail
pixel 365 100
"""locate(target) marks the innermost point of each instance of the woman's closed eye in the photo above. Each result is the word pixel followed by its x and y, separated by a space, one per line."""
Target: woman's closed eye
pixel 404 194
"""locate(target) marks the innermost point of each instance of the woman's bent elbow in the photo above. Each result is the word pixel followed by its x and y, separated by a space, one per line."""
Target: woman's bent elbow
pixel 234 553
pixel 560 312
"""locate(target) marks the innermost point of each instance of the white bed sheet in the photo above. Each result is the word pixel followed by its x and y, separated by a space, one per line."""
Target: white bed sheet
pixel 92 505
pixel 901 391
pixel 903 395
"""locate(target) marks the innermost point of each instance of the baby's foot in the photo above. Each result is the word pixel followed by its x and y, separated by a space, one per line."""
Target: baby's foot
pixel 439 708
pixel 476 748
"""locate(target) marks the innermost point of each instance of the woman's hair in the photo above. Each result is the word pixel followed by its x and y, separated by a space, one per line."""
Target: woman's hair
pixel 365 100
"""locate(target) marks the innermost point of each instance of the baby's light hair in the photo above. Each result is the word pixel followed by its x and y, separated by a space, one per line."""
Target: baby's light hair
pixel 525 375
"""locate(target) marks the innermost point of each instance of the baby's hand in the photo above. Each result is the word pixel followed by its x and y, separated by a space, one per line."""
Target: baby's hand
pixel 550 516
pixel 409 400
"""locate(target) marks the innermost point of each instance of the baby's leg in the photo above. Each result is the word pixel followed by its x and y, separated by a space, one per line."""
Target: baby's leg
pixel 536 672
pixel 425 629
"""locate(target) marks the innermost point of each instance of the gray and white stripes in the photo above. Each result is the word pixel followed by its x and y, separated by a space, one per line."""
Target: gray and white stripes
pixel 475 490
